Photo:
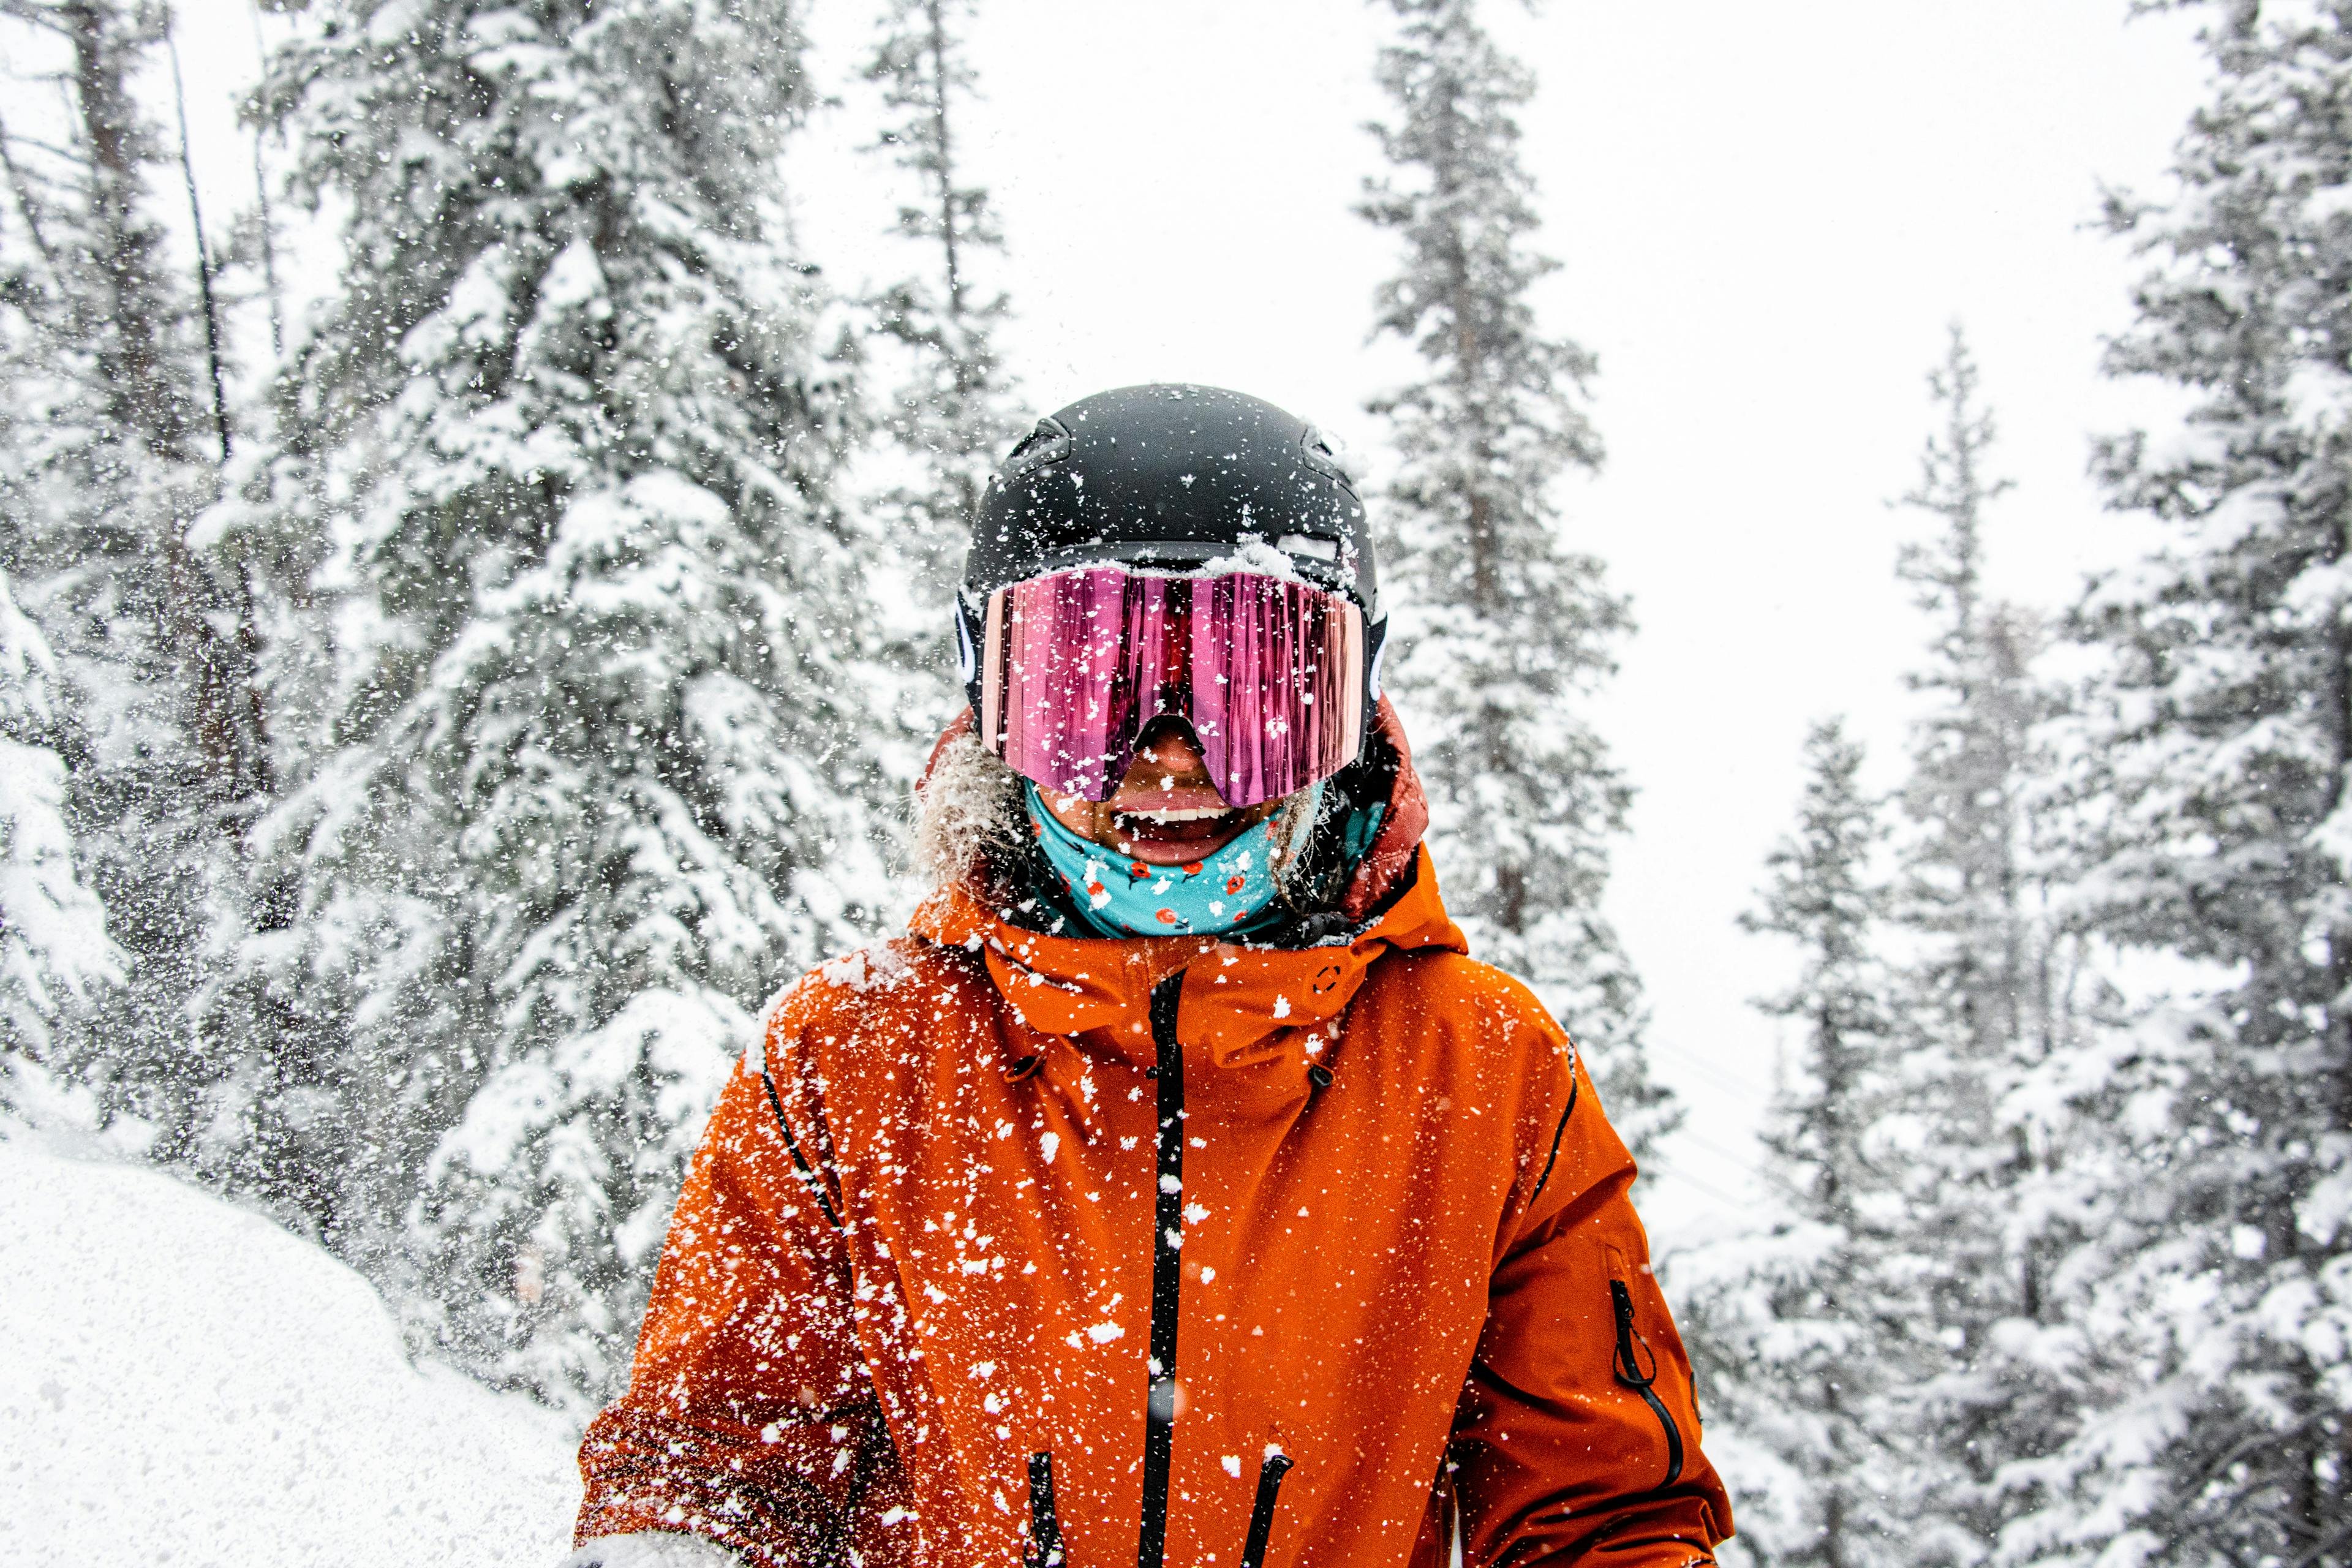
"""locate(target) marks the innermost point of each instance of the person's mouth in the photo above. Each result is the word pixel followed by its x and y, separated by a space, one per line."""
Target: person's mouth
pixel 1171 816
pixel 1176 834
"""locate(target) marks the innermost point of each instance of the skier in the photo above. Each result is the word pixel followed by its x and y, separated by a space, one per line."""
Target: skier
pixel 1177 1189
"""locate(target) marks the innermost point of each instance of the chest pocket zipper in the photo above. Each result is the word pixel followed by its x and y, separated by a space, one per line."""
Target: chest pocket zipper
pixel 1630 1351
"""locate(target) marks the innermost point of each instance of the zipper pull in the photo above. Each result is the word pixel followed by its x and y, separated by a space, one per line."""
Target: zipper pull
pixel 1269 1485
pixel 1628 1363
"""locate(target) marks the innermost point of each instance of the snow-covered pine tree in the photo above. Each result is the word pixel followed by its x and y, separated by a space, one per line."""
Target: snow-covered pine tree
pixel 2221 753
pixel 1981 1187
pixel 110 442
pixel 1980 1000
pixel 55 958
pixel 945 411
pixel 1967 885
pixel 949 413
pixel 1500 630
pixel 587 779
pixel 1801 1330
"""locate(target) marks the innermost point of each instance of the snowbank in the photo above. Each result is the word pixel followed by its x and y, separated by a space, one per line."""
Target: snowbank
pixel 184 1383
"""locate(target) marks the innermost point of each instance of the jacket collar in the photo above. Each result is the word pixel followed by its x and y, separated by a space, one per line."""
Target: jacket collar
pixel 1242 1002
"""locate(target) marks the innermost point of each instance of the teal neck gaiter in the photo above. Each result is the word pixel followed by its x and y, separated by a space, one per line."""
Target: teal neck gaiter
pixel 1210 897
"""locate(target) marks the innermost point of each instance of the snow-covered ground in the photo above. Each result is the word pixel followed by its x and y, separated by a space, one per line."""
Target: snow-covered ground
pixel 182 1383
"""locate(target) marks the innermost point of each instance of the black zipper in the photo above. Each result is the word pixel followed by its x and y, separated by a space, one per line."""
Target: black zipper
pixel 1167 1275
pixel 1574 1084
pixel 815 1186
pixel 1628 1368
pixel 1045 1526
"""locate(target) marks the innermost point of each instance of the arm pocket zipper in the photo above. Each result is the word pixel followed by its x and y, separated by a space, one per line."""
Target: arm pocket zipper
pixel 1627 1362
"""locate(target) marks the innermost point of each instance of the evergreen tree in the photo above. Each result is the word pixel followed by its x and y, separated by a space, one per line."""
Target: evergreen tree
pixel 1500 628
pixel 1970 761
pixel 949 416
pixel 55 958
pixel 1976 1176
pixel 111 444
pixel 1980 1014
pixel 2220 757
pixel 584 779
pixel 946 415
pixel 1802 1329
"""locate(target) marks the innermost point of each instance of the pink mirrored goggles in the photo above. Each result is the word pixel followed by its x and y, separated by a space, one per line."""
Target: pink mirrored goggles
pixel 1072 669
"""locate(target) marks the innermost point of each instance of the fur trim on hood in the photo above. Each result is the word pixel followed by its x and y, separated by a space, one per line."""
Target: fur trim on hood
pixel 969 817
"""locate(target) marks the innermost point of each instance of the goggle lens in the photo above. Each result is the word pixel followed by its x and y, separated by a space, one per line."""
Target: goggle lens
pixel 1269 673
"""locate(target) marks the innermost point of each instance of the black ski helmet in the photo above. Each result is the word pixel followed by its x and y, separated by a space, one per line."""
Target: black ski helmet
pixel 1169 476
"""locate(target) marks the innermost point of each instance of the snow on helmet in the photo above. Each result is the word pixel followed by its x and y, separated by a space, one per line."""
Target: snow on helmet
pixel 1171 476
pixel 1179 480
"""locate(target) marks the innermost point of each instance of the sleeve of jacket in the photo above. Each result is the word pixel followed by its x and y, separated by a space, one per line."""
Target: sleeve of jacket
pixel 1578 1434
pixel 749 1419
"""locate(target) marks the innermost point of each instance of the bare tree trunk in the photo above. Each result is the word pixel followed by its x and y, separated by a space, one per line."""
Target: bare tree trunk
pixel 204 250
pixel 152 405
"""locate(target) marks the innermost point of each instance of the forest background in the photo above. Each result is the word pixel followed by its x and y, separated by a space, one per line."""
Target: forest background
pixel 1769 222
pixel 1764 286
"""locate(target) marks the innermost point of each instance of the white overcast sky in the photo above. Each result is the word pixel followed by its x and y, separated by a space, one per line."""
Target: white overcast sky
pixel 1768 216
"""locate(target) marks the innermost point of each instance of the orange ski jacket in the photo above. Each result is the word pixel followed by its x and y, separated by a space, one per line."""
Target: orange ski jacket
pixel 1005 1248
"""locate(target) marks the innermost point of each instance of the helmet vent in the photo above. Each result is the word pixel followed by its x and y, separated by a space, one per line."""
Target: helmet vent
pixel 1049 443
pixel 1322 456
